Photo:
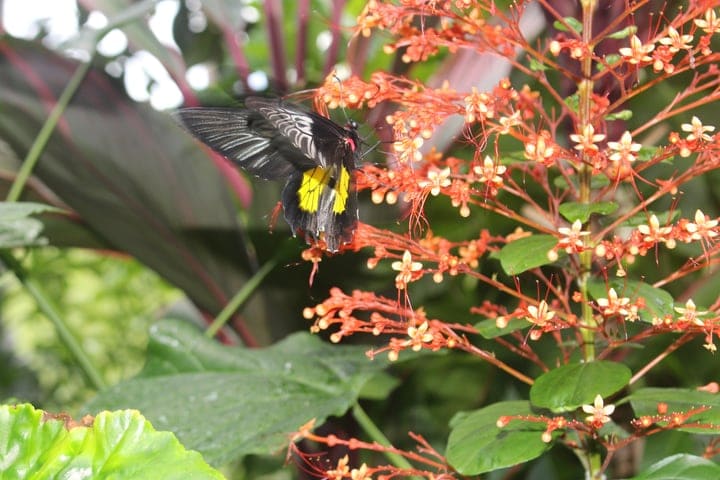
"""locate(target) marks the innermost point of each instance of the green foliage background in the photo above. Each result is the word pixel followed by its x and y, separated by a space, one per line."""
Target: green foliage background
pixel 110 301
pixel 115 266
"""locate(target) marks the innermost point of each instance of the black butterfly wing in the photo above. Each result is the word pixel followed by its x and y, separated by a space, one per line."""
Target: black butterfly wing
pixel 247 138
pixel 318 138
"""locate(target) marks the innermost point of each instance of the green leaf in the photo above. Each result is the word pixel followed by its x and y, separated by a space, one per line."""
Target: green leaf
pixel 15 210
pixel 489 329
pixel 658 302
pixel 642 218
pixel 681 467
pixel 118 445
pixel 624 33
pixel 526 253
pixel 17 228
pixel 22 232
pixel 247 400
pixel 665 444
pixel 476 444
pixel 573 102
pixel 537 66
pixel 646 400
pixel 648 153
pixel 610 60
pixel 573 22
pixel 566 388
pixel 581 211
pixel 621 115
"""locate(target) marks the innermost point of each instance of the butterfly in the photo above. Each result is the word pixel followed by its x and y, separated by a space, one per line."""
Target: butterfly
pixel 274 139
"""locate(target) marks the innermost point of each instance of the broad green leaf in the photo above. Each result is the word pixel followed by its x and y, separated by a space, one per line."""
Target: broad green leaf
pixel 229 402
pixel 581 211
pixel 566 388
pixel 476 444
pixel 681 467
pixel 118 445
pixel 16 210
pixel 665 444
pixel 658 303
pixel 21 232
pixel 17 228
pixel 646 400
pixel 489 329
pixel 527 253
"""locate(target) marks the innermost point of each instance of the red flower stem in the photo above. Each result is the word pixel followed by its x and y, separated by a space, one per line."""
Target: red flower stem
pixel 466 346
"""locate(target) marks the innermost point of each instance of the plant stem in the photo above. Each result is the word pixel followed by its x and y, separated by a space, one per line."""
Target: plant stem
pixel 594 471
pixel 593 464
pixel 377 436
pixel 240 297
pixel 47 129
pixel 585 90
pixel 47 308
pixel 31 159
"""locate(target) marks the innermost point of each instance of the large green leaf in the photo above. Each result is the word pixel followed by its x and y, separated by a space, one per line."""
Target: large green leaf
pixel 228 402
pixel 527 253
pixel 133 176
pixel 489 329
pixel 666 444
pixel 118 445
pixel 476 444
pixel 645 402
pixel 568 387
pixel 658 302
pixel 681 467
pixel 581 211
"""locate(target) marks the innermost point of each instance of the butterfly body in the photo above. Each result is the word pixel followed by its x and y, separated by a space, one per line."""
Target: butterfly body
pixel 273 140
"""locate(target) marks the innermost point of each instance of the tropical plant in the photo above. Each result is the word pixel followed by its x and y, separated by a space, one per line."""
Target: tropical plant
pixel 550 282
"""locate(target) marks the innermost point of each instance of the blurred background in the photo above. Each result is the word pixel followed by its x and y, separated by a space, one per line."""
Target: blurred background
pixel 154 225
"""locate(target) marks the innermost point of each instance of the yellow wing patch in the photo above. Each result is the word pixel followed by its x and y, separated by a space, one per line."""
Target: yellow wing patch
pixel 313 184
pixel 341 191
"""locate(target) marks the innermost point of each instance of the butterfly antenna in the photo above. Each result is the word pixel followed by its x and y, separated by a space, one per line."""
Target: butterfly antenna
pixel 301 95
pixel 369 150
pixel 348 120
